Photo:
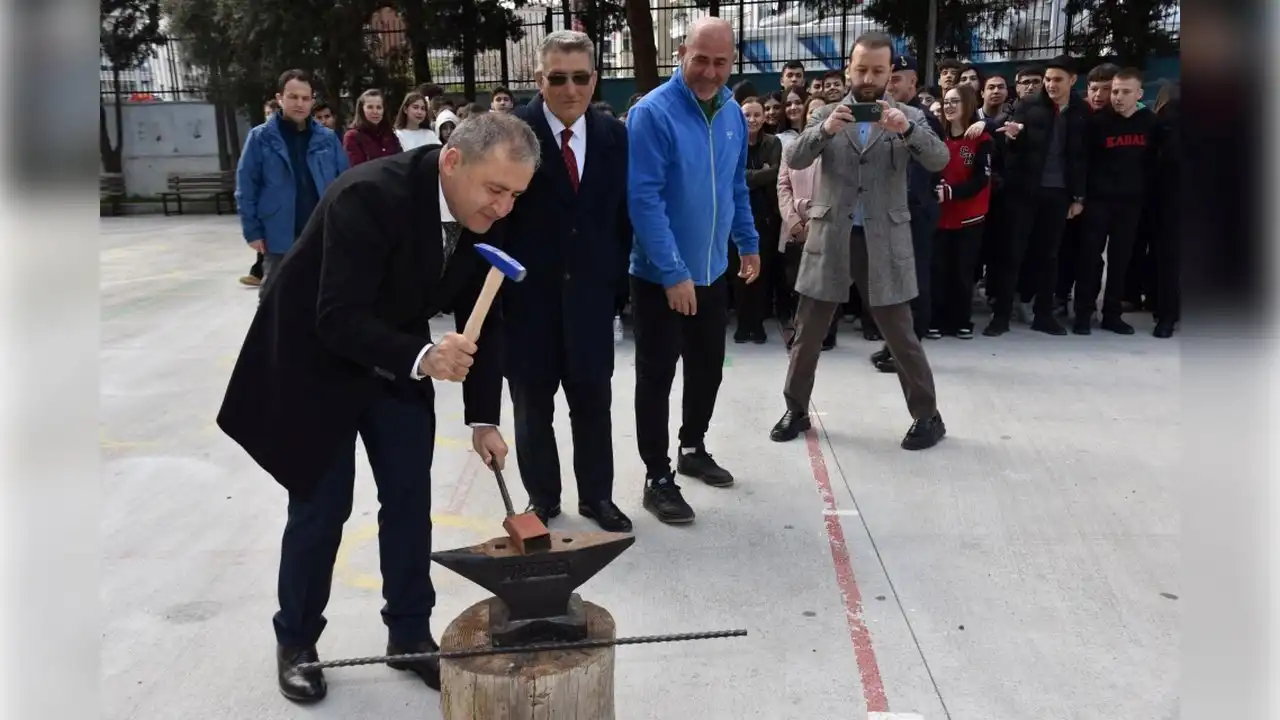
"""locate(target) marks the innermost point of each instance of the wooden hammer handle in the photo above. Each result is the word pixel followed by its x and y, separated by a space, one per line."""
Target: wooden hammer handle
pixel 492 282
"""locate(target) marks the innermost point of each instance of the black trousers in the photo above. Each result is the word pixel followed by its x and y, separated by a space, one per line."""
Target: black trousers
pixel 755 301
pixel 1036 222
pixel 590 421
pixel 664 337
pixel 256 269
pixel 1166 250
pixel 399 439
pixel 923 227
pixel 955 254
pixel 995 239
pixel 1113 225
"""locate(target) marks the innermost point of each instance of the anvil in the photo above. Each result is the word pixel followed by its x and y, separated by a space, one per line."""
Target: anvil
pixel 534 598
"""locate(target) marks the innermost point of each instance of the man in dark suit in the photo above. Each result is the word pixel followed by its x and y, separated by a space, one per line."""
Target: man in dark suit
pixel 341 346
pixel 568 231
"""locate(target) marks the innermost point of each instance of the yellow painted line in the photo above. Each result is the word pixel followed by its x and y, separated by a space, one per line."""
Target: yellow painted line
pixel 362 535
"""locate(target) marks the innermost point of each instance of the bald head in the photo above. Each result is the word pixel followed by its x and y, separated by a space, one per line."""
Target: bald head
pixel 706 56
pixel 709 30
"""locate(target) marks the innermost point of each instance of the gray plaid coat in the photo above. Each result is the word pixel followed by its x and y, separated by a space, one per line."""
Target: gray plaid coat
pixel 876 174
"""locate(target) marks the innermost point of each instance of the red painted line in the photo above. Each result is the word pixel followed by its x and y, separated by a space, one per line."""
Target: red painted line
pixel 864 651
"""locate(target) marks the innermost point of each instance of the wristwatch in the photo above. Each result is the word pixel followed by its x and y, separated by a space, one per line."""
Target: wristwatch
pixel 911 127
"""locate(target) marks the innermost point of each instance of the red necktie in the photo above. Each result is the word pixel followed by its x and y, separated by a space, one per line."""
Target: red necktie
pixel 570 160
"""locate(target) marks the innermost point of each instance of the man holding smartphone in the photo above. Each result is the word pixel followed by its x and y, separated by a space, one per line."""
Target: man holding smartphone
pixel 860 231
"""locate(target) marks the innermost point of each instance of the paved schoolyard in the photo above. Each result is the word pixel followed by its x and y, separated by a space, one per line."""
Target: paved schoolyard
pixel 1027 568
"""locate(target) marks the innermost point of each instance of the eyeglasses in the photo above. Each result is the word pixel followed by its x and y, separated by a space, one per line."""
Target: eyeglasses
pixel 950 103
pixel 579 78
pixel 1030 81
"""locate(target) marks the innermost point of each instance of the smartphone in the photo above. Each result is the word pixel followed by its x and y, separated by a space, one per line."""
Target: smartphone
pixel 865 112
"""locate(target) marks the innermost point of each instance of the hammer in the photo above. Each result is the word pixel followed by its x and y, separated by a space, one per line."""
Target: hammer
pixel 525 529
pixel 502 266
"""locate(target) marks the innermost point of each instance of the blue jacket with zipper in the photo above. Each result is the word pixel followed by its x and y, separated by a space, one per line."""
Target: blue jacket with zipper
pixel 267 189
pixel 687 186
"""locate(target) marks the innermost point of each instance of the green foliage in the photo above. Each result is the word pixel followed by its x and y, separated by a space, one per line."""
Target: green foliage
pixel 130 31
pixel 957 21
pixel 1130 30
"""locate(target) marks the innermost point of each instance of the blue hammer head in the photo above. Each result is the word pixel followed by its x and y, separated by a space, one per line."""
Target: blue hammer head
pixel 504 262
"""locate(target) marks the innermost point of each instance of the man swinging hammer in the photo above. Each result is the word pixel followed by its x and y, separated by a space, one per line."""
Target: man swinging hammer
pixel 340 346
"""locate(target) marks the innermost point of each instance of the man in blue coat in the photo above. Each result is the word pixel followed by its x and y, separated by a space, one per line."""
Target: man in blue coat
pixel 687 193
pixel 567 230
pixel 287 164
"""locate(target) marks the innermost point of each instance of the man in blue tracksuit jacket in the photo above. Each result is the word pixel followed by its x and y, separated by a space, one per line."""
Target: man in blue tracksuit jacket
pixel 287 164
pixel 687 195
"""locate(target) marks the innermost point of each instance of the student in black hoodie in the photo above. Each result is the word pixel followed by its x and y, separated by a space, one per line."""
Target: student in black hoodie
pixel 1045 182
pixel 1121 149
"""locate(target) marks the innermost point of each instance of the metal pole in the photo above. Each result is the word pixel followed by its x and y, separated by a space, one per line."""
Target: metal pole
pixel 931 42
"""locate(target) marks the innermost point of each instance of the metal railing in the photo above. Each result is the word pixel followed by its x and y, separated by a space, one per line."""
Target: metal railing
pixel 770 33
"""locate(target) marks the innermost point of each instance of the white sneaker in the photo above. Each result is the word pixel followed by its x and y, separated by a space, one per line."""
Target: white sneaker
pixel 617 328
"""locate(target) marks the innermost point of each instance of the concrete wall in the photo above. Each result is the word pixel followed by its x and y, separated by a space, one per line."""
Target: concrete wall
pixel 164 137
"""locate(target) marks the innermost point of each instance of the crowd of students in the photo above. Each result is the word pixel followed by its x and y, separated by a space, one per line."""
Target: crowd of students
pixel 1026 211
pixel 1040 188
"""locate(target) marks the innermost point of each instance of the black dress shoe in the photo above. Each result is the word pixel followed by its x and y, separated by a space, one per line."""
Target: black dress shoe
pixel 828 343
pixel 428 670
pixel 759 337
pixel 544 512
pixel 888 365
pixel 1163 330
pixel 881 355
pixel 298 685
pixel 924 433
pixel 662 497
pixel 699 464
pixel 789 427
pixel 607 516
pixel 1082 325
pixel 997 327
pixel 1116 325
pixel 1048 324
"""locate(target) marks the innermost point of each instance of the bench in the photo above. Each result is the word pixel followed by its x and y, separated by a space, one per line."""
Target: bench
pixel 111 190
pixel 204 186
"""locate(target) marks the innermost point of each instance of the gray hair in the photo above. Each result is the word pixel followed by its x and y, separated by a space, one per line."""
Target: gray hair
pixel 480 133
pixel 566 41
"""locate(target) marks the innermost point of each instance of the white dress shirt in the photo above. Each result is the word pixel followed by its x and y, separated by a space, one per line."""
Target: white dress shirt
pixel 415 373
pixel 577 143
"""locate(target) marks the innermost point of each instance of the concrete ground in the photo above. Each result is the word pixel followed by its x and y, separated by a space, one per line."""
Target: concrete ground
pixel 1027 568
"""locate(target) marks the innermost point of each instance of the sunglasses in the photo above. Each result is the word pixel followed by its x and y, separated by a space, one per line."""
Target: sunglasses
pixel 579 78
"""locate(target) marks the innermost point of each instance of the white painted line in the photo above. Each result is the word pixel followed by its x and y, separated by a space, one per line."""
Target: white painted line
pixel 846 513
pixel 894 716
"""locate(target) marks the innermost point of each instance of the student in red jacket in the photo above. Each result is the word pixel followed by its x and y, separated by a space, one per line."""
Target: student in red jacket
pixel 371 135
pixel 964 194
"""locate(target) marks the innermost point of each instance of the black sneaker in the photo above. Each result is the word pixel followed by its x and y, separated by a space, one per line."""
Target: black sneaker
pixel 741 336
pixel 698 464
pixel 759 337
pixel 933 334
pixel 1082 325
pixel 1116 325
pixel 924 433
pixel 662 498
pixel 965 333
pixel 829 342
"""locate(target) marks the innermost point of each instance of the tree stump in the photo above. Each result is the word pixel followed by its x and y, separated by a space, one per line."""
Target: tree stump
pixel 526 686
